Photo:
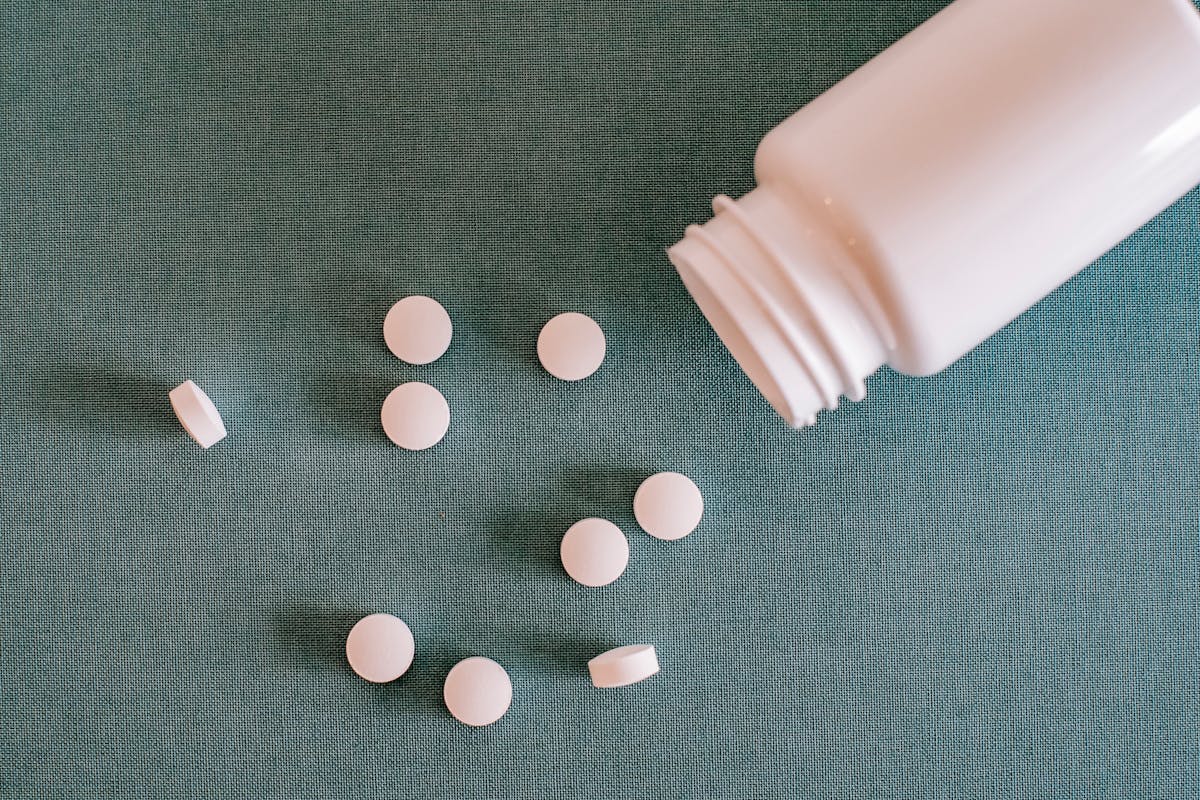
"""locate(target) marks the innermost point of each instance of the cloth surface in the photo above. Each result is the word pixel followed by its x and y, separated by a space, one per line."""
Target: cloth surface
pixel 978 585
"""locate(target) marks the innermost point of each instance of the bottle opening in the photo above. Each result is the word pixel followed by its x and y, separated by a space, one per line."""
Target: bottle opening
pixel 778 296
pixel 730 333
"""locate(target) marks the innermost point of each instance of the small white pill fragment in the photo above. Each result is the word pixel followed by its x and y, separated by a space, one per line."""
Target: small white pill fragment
pixel 477 691
pixel 571 346
pixel 415 416
pixel 417 329
pixel 623 666
pixel 380 648
pixel 594 552
pixel 668 505
pixel 197 414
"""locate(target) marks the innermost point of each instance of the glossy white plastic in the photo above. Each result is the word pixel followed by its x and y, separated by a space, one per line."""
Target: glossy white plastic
pixel 939 191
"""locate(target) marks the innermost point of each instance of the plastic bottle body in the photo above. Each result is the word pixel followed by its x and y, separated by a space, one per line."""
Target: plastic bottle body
pixel 942 189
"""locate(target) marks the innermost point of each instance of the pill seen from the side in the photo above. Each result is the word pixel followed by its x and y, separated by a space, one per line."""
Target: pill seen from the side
pixel 197 414
pixel 623 666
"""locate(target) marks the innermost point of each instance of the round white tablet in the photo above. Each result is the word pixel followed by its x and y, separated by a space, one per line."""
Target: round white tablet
pixel 478 691
pixel 380 648
pixel 571 346
pixel 668 505
pixel 417 329
pixel 197 414
pixel 415 416
pixel 622 666
pixel 594 552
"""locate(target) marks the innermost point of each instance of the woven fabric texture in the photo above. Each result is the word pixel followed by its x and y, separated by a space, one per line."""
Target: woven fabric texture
pixel 983 584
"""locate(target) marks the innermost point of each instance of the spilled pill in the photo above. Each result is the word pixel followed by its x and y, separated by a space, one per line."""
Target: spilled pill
pixel 380 648
pixel 415 416
pixel 622 666
pixel 594 552
pixel 417 329
pixel 478 691
pixel 571 346
pixel 668 505
pixel 197 414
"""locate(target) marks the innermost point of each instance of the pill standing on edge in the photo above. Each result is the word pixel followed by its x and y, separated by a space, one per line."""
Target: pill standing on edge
pixel 415 416
pixel 478 691
pixel 380 648
pixel 668 505
pixel 594 552
pixel 197 414
pixel 622 666
pixel 417 329
pixel 571 346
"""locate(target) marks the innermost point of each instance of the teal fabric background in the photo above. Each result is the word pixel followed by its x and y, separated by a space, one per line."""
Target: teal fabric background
pixel 979 585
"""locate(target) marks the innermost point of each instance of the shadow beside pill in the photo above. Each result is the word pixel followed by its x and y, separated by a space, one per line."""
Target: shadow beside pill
pixel 355 298
pixel 420 689
pixel 99 397
pixel 514 320
pixel 315 636
pixel 546 647
pixel 530 536
pixel 607 488
pixel 350 404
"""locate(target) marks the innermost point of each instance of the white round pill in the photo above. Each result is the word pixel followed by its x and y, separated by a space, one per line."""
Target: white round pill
pixel 622 666
pixel 478 691
pixel 415 416
pixel 571 346
pixel 417 329
pixel 380 648
pixel 197 414
pixel 594 552
pixel 668 505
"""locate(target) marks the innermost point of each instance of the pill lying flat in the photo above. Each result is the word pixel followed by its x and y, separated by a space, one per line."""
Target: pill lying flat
pixel 477 691
pixel 380 648
pixel 415 416
pixel 417 329
pixel 197 414
pixel 594 552
pixel 668 505
pixel 622 666
pixel 571 346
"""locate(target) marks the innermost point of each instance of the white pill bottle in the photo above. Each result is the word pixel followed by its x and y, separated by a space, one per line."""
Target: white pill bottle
pixel 933 195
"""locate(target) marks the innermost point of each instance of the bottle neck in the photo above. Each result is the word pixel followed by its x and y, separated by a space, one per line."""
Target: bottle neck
pixel 787 298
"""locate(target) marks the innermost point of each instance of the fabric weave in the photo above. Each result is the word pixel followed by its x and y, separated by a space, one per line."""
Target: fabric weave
pixel 978 585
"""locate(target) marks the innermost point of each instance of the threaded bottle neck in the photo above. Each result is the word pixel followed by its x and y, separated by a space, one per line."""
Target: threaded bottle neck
pixel 787 299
